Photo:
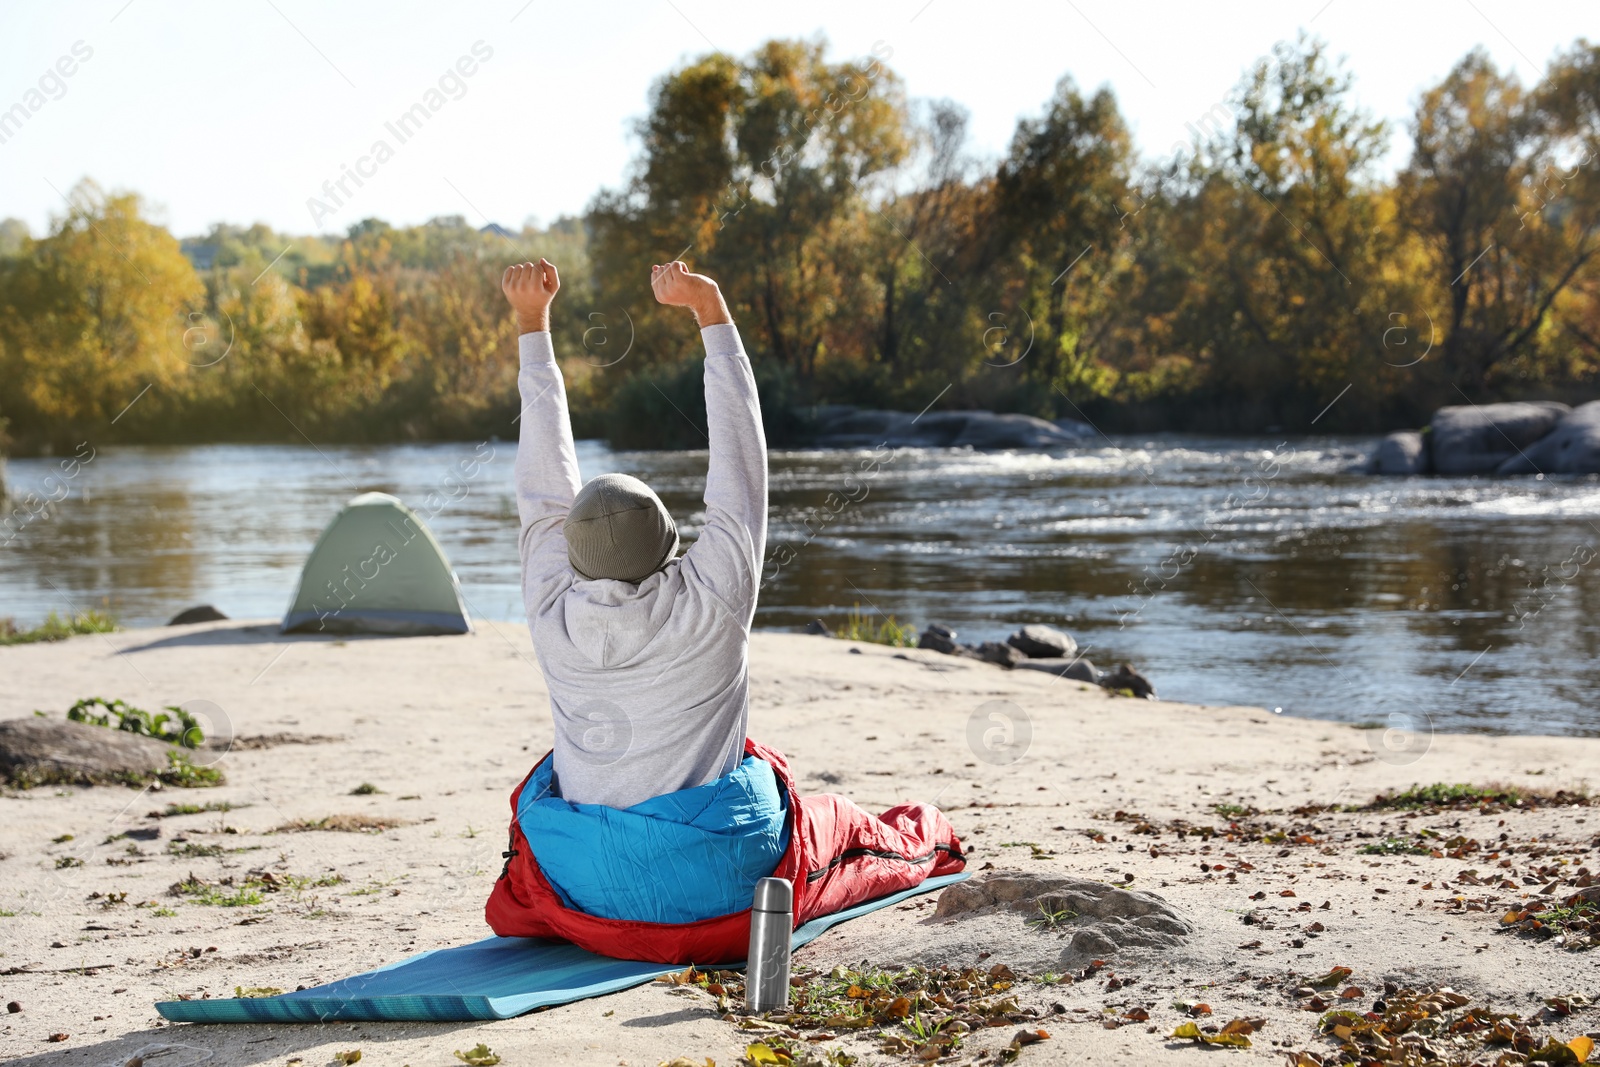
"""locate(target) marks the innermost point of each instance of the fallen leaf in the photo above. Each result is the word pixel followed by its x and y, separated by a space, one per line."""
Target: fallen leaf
pixel 1355 992
pixel 351 1056
pixel 1332 978
pixel 1192 1032
pixel 479 1055
pixel 760 1052
pixel 1556 1053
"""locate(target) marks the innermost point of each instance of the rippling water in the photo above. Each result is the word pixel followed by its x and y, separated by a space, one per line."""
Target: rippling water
pixel 1230 571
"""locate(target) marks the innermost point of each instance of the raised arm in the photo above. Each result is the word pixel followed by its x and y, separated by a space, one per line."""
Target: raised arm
pixel 726 558
pixel 547 462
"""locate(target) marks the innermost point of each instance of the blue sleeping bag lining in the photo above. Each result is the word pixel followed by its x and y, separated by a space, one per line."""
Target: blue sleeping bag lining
pixel 676 858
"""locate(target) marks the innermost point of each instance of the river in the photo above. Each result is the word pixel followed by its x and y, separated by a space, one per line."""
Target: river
pixel 1247 571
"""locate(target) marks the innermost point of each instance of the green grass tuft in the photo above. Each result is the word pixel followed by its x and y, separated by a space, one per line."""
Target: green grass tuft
pixel 1445 795
pixel 55 628
pixel 182 772
pixel 1393 846
pixel 882 631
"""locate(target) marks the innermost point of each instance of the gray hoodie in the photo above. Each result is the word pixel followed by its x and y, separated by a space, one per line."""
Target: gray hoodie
pixel 649 683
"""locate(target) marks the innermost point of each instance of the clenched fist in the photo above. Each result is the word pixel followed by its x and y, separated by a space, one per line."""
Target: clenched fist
pixel 675 286
pixel 529 288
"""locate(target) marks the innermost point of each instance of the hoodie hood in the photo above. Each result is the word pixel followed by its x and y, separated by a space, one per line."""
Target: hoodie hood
pixel 610 622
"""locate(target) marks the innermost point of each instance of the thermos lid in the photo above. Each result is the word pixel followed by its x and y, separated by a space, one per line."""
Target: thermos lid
pixel 774 894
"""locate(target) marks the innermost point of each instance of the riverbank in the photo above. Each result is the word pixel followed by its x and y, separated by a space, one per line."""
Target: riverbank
pixel 1068 780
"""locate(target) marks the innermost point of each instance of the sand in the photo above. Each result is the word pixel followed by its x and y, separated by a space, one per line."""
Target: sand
pixel 446 727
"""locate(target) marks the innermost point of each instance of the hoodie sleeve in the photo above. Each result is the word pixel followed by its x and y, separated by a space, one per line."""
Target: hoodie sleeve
pixel 726 559
pixel 546 472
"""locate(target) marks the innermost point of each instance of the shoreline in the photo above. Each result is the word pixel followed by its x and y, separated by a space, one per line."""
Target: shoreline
pixel 444 727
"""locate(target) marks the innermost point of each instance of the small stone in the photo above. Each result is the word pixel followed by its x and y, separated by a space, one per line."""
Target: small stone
pixel 1079 669
pixel 1000 654
pixel 1125 677
pixel 200 613
pixel 938 638
pixel 1043 642
pixel 13 1007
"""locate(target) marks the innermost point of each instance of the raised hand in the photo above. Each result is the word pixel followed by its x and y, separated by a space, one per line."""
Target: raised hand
pixel 675 286
pixel 529 288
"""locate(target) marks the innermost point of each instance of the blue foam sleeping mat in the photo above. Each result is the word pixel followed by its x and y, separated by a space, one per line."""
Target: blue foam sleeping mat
pixel 496 978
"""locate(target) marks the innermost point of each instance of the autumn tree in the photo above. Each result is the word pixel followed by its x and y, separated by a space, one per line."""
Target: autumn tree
pixel 751 170
pixel 90 316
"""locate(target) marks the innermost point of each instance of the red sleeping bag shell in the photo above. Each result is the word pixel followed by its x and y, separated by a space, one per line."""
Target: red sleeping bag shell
pixel 838 856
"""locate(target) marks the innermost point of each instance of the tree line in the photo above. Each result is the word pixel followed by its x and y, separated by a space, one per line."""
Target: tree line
pixel 1256 274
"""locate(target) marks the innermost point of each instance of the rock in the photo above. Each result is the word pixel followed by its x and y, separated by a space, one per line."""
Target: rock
pixel 1043 642
pixel 868 428
pixel 1078 669
pixel 999 653
pixel 938 638
pixel 1400 453
pixel 41 751
pixel 1125 677
pixel 985 430
pixel 1075 428
pixel 202 613
pixel 1477 439
pixel 818 628
pixel 1101 919
pixel 1573 447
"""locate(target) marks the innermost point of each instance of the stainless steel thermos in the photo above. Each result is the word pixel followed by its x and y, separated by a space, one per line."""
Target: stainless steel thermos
pixel 766 974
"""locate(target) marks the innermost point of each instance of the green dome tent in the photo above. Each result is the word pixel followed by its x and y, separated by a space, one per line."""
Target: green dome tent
pixel 377 569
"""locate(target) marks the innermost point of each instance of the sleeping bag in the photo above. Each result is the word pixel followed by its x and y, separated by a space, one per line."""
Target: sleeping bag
pixel 669 880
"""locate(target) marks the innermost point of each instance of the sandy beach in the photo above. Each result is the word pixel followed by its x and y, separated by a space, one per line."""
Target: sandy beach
pixel 1068 781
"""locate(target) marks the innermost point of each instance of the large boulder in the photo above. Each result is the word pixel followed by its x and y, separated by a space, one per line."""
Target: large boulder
pixel 1478 438
pixel 1078 669
pixel 1075 428
pixel 1573 447
pixel 40 751
pixel 866 428
pixel 1400 453
pixel 1098 919
pixel 1040 641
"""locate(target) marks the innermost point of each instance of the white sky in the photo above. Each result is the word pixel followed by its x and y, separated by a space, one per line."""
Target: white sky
pixel 240 111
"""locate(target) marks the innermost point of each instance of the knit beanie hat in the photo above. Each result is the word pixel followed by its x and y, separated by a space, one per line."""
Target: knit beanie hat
pixel 618 528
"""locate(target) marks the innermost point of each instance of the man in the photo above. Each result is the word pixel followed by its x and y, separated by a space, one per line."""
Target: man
pixel 643 833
